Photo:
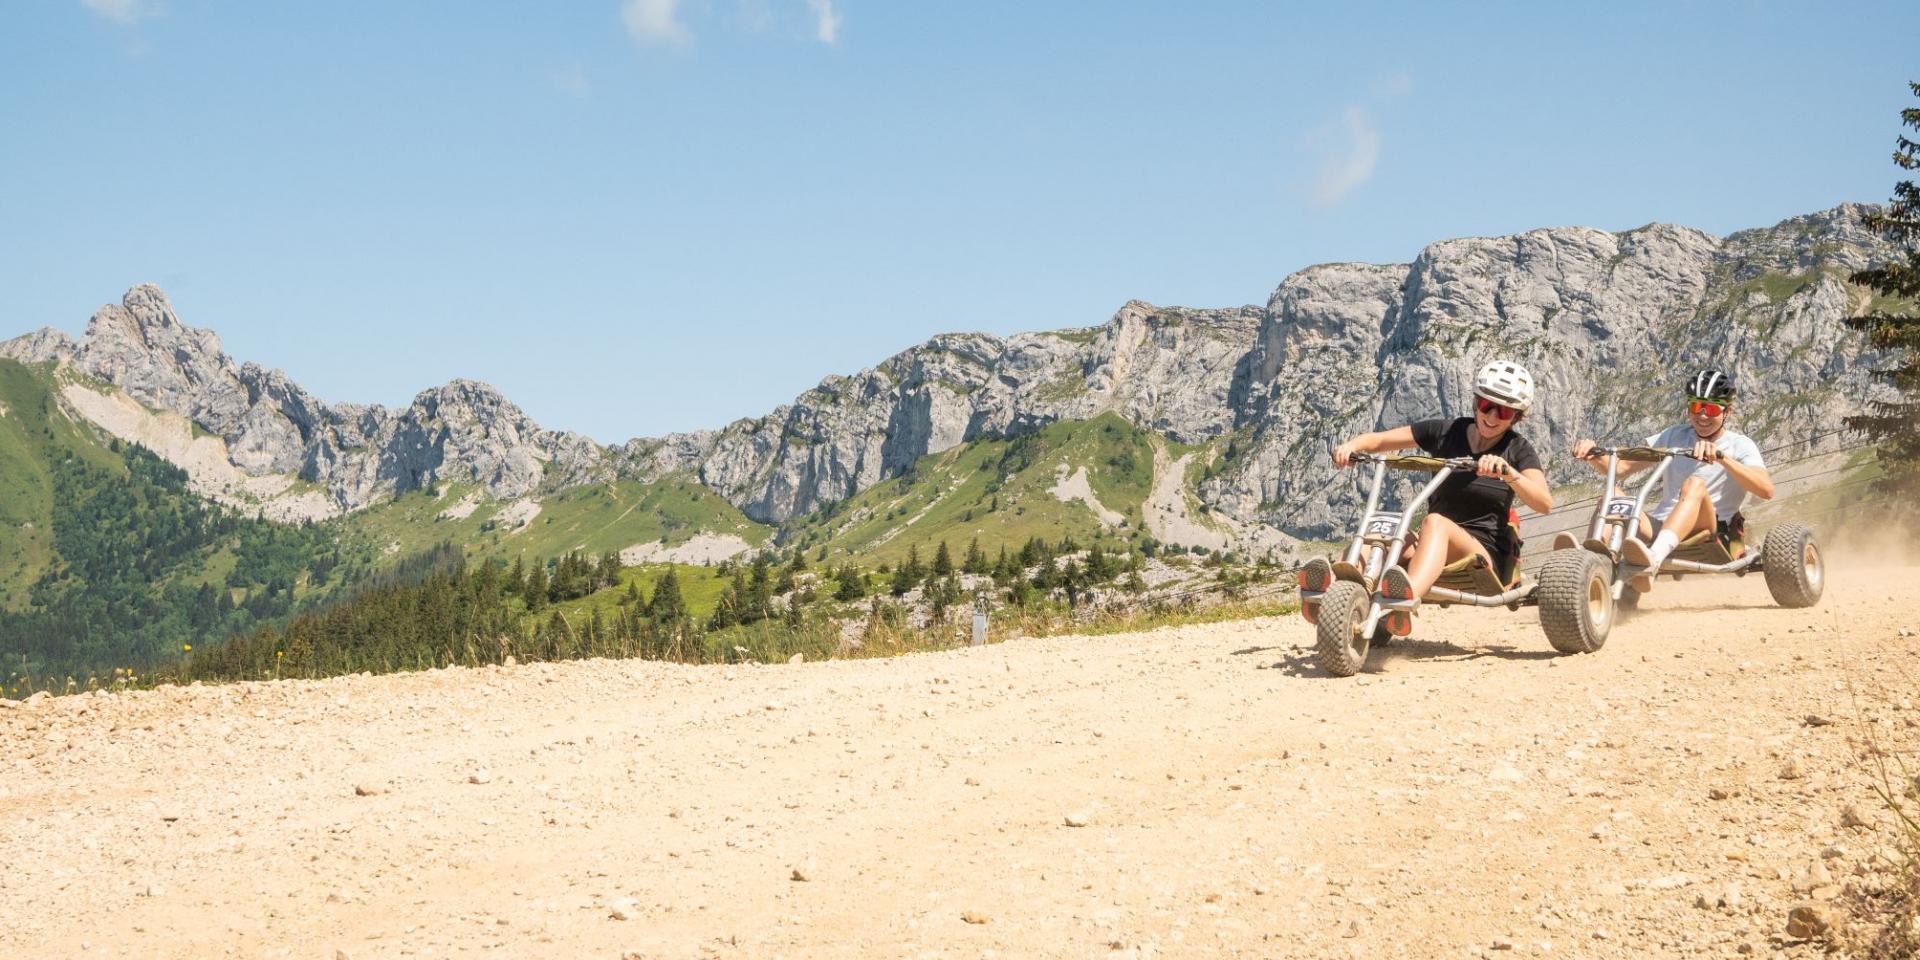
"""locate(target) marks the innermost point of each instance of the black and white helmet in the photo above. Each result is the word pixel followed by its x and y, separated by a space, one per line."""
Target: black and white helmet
pixel 1505 383
pixel 1711 384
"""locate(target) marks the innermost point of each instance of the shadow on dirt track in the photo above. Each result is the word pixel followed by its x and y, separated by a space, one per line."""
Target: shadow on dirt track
pixel 1307 663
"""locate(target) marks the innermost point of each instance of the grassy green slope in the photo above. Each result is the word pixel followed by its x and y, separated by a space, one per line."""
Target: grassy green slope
pixel 595 518
pixel 997 490
pixel 34 432
pixel 700 587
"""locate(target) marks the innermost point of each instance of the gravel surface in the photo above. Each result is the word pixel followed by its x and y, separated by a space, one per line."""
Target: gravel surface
pixel 1190 792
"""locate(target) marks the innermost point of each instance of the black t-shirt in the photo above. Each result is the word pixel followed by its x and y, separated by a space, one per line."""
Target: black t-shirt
pixel 1478 504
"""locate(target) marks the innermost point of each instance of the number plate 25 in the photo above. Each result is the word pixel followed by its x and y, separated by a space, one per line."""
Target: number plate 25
pixel 1383 527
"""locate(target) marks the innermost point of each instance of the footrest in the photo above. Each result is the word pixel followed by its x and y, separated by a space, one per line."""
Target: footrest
pixel 1471 575
pixel 1702 547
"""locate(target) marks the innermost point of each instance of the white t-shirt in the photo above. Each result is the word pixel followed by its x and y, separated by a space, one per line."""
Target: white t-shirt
pixel 1727 495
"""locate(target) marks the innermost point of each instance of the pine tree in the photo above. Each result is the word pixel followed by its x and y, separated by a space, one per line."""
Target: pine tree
pixel 848 584
pixel 1099 566
pixel 1892 323
pixel 535 591
pixel 942 561
pixel 516 578
pixel 758 603
pixel 1019 591
pixel 668 607
pixel 976 561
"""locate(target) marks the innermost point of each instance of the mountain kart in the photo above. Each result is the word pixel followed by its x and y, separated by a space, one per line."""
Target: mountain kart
pixel 1343 600
pixel 1789 556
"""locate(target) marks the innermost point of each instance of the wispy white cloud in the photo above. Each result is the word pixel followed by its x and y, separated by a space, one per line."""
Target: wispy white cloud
pixel 573 81
pixel 123 12
pixel 655 22
pixel 1349 148
pixel 826 20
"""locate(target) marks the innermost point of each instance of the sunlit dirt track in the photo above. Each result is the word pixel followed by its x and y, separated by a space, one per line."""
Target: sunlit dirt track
pixel 1471 791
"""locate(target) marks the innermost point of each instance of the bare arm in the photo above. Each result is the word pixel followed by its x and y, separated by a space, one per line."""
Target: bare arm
pixel 1754 480
pixel 1399 438
pixel 1530 486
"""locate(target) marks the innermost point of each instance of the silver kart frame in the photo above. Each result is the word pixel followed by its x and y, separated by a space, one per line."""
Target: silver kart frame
pixel 1614 515
pixel 1382 536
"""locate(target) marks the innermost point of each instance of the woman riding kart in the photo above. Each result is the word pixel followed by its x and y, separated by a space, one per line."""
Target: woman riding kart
pixel 1704 491
pixel 1470 514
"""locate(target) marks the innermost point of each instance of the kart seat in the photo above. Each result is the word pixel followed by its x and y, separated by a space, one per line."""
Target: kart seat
pixel 1475 575
pixel 1704 547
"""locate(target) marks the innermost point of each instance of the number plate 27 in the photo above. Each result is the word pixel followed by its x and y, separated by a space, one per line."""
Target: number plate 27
pixel 1620 509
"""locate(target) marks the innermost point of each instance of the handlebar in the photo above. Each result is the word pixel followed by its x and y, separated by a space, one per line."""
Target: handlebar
pixel 1416 463
pixel 1640 454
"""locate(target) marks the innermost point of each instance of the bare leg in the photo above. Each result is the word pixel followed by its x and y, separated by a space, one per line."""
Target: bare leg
pixel 1694 511
pixel 1441 542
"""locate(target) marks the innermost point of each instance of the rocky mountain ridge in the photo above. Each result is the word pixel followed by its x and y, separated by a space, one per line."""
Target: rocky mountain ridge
pixel 357 454
pixel 1606 321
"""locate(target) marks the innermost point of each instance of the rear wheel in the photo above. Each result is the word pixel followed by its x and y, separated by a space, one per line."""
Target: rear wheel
pixel 1796 574
pixel 1343 611
pixel 1576 600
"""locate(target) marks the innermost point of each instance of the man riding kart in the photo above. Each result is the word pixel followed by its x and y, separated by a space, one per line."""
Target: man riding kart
pixel 1471 513
pixel 1702 492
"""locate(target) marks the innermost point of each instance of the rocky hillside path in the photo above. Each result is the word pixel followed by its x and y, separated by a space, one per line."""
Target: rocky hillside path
pixel 1189 792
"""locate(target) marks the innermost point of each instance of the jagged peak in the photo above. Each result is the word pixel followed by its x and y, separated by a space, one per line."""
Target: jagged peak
pixel 40 346
pixel 465 392
pixel 1843 218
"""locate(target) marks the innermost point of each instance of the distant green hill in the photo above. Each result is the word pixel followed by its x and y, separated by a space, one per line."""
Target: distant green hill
pixel 108 560
pixel 1004 492
pixel 596 519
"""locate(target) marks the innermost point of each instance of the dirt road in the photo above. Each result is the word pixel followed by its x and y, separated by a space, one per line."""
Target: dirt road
pixel 1470 793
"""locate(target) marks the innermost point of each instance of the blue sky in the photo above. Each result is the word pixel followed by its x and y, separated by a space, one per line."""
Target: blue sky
pixel 636 216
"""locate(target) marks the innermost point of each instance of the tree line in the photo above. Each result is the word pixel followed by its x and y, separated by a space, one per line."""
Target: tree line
pixel 131 580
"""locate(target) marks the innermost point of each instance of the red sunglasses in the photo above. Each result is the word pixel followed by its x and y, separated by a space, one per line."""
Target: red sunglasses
pixel 1708 407
pixel 1498 410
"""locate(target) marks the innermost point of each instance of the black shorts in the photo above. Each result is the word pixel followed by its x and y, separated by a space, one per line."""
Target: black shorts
pixel 1503 547
pixel 1731 531
pixel 1728 532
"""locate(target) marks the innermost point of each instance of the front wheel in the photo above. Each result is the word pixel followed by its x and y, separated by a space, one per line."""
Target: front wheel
pixel 1343 611
pixel 1795 571
pixel 1576 600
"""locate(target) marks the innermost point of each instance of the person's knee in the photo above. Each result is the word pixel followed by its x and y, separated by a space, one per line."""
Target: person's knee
pixel 1693 487
pixel 1435 525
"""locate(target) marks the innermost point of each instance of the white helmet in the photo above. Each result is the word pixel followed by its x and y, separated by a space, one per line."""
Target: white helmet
pixel 1505 383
